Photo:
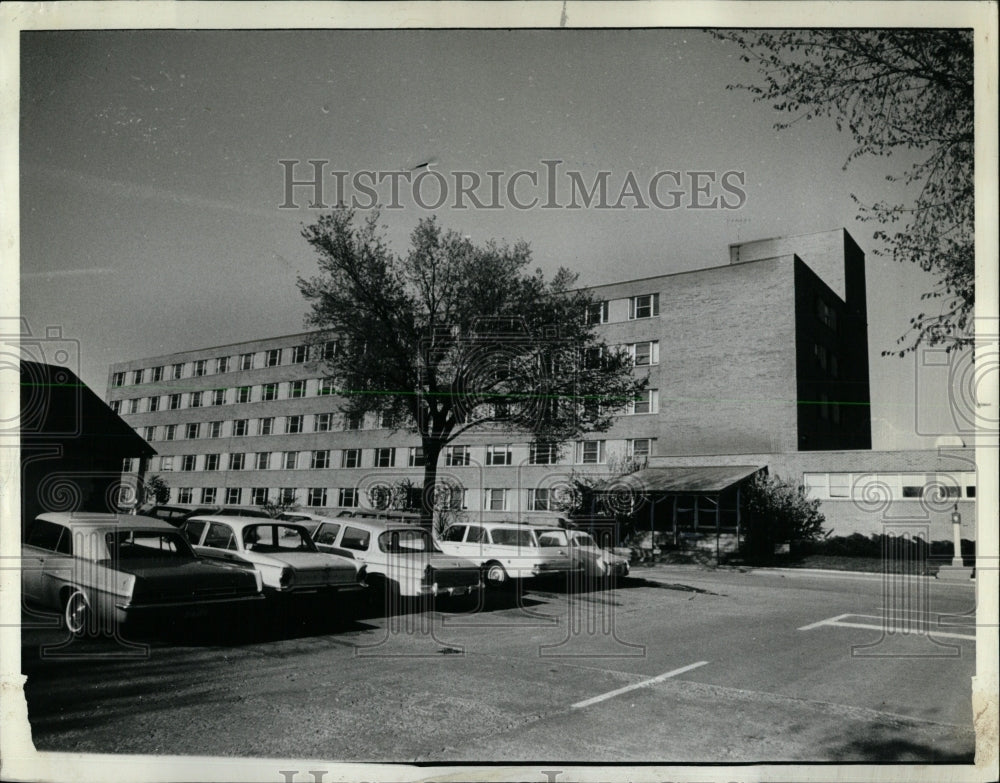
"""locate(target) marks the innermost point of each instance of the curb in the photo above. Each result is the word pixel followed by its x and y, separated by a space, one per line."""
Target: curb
pixel 642 570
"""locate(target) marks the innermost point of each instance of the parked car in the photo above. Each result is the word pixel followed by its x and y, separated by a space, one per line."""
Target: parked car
pixel 507 550
pixel 403 559
pixel 177 515
pixel 103 570
pixel 593 561
pixel 306 519
pixel 282 553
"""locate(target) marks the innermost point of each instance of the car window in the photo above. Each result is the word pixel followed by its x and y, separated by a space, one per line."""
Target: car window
pixel 326 533
pixel 147 545
pixel 220 536
pixel 454 533
pixel 45 535
pixel 552 538
pixel 356 538
pixel 509 536
pixel 276 538
pixel 193 530
pixel 405 541
pixel 477 534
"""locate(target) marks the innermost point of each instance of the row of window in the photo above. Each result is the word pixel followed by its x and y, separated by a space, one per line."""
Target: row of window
pixel 273 357
pixel 642 306
pixel 875 487
pixel 265 392
pixel 491 499
pixel 268 425
pixel 587 452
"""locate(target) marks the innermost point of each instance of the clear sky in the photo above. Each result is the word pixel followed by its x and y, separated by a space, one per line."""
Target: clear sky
pixel 150 181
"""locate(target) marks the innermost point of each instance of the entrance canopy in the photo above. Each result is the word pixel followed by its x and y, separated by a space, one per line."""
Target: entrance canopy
pixel 690 480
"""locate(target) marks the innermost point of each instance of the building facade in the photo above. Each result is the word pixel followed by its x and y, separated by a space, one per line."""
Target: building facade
pixel 762 360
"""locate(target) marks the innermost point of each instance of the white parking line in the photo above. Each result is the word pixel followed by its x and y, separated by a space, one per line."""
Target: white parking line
pixel 838 622
pixel 635 686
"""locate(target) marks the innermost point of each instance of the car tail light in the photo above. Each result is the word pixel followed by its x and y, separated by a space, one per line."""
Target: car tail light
pixel 287 578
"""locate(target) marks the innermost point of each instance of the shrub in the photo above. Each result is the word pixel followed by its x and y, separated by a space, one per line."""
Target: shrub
pixel 778 512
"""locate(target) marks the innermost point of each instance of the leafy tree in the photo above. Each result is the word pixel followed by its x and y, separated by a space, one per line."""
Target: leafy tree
pixel 286 501
pixel 893 89
pixel 455 336
pixel 778 511
pixel 155 490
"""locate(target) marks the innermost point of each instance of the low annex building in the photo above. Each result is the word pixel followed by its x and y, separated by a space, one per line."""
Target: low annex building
pixel 759 362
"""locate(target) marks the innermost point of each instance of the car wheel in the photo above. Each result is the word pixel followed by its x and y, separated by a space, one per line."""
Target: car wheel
pixel 494 575
pixel 77 613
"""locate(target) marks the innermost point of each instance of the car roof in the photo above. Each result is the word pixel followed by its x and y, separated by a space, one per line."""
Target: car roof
pixel 237 521
pixel 80 519
pixel 376 525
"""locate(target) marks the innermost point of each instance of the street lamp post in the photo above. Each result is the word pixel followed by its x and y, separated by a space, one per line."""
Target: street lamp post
pixel 957 571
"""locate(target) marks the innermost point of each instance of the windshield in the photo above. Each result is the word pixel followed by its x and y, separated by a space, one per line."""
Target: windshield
pixel 509 536
pixel 406 541
pixel 147 545
pixel 552 538
pixel 584 539
pixel 276 537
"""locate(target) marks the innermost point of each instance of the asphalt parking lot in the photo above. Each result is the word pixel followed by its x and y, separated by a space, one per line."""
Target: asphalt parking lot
pixel 676 664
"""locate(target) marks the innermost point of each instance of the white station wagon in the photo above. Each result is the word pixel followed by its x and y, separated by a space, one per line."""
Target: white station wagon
pixel 507 550
pixel 402 557
pixel 281 552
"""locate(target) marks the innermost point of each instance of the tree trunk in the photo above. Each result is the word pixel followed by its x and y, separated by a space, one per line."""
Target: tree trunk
pixel 432 452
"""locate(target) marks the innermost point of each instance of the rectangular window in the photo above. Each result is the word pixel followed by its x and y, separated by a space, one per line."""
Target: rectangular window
pixel 299 354
pixel 259 496
pixel 246 361
pixel 167 464
pixel 326 387
pixel 240 428
pixel 218 397
pixel 640 447
pixel 538 500
pixel 188 462
pixel 320 460
pixel 385 458
pixel 148 433
pixel 116 406
pixel 169 432
pixel 819 351
pixel 244 394
pixel 194 400
pixel 499 454
pixel 269 391
pixel 543 453
pixel 199 368
pixel 348 498
pixel 137 377
pixel 184 494
pixel 273 358
pixel 233 496
pixel 175 402
pixel 237 461
pixel 177 371
pixel 118 379
pixel 645 354
pixel 293 425
pixel 211 462
pixel 350 458
pixel 317 496
pixel 154 404
pixel 645 306
pixel 297 389
pixel 158 374
pixel 386 420
pixel 353 421
pixel 826 314
pixel 267 425
pixel 416 457
pixel 597 313
pixel 647 401
pixel 457 456
pixel 288 460
pixel 133 405
pixel 222 364
pixel 331 349
pixel 215 429
pixel 590 452
pixel 495 499
pixel 191 430
pixel 262 460
pixel 208 495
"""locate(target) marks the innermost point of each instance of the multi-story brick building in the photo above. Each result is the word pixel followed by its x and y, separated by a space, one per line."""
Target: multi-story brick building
pixel 760 362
